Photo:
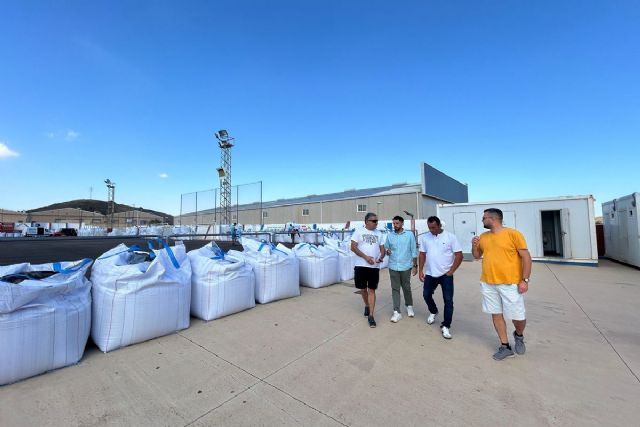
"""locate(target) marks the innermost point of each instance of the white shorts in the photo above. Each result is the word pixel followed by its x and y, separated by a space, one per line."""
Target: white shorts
pixel 503 299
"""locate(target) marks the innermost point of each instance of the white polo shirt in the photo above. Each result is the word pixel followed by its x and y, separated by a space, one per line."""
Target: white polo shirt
pixel 440 250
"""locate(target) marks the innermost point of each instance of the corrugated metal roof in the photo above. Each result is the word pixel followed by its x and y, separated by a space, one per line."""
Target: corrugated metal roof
pixel 343 195
pixel 347 194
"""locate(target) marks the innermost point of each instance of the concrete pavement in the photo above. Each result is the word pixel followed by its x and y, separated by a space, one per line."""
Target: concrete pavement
pixel 313 361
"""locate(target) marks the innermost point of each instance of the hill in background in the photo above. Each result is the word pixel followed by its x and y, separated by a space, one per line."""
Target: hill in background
pixel 100 206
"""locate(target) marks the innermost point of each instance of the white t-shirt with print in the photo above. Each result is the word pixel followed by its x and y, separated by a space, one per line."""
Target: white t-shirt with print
pixel 440 251
pixel 369 242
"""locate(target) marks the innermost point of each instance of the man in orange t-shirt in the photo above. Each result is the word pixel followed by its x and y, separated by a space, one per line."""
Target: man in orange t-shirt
pixel 506 267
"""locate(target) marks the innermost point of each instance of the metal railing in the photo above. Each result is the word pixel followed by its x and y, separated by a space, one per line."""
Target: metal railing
pixel 315 237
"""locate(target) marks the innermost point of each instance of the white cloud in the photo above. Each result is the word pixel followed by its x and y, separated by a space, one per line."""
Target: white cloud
pixel 164 175
pixel 5 151
pixel 72 135
pixel 49 135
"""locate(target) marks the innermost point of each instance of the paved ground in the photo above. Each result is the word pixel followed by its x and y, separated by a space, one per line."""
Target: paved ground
pixel 313 361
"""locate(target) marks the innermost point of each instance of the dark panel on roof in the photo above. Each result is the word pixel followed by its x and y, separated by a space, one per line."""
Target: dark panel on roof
pixel 441 186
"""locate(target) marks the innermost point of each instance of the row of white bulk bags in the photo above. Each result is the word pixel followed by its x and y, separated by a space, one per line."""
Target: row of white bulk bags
pixel 318 265
pixel 276 270
pixel 134 302
pixel 346 258
pixel 220 284
pixel 44 323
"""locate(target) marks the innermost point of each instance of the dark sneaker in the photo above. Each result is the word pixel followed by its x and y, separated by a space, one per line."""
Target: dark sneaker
pixel 519 346
pixel 366 312
pixel 372 322
pixel 503 352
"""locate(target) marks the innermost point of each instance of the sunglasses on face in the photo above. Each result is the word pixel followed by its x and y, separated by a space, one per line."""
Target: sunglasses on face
pixel 373 220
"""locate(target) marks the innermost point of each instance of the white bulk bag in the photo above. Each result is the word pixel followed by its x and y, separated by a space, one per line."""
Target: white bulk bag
pixel 346 258
pixel 137 302
pixel 44 324
pixel 276 270
pixel 318 265
pixel 220 284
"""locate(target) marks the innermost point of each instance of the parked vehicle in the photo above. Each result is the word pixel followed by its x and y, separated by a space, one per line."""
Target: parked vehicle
pixel 65 232
pixel 7 227
pixel 36 232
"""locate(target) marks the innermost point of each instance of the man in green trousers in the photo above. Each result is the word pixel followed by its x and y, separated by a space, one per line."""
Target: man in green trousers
pixel 400 245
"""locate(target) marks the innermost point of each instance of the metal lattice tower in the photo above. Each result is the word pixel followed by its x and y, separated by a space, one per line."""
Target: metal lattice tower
pixel 224 173
pixel 111 200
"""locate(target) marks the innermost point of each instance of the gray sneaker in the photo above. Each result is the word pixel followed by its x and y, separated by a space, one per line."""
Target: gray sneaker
pixel 519 346
pixel 503 352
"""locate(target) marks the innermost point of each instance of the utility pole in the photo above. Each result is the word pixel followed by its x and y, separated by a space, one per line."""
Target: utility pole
pixel 111 197
pixel 224 173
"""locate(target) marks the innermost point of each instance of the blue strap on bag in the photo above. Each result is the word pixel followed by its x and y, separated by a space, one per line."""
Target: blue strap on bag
pixel 219 253
pixel 170 253
pixel 57 267
pixel 152 254
pixel 274 248
pixel 271 246
pixel 130 249
pixel 263 244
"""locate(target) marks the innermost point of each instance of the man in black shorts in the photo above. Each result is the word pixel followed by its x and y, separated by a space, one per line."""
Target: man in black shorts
pixel 368 245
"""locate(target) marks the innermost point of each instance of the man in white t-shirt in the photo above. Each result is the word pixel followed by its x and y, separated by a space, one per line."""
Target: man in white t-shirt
pixel 367 243
pixel 443 254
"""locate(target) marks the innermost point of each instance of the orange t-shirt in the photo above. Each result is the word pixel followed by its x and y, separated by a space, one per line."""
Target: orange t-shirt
pixel 501 262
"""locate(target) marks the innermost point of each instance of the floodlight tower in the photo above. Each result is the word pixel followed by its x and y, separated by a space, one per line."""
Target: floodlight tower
pixel 111 197
pixel 224 173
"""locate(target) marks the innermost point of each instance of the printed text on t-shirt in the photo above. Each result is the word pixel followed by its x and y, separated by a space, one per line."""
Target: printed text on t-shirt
pixel 369 238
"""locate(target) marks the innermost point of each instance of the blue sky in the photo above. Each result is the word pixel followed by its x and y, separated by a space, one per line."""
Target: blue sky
pixel 518 99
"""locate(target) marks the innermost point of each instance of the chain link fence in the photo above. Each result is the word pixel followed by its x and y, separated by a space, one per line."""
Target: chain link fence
pixel 203 208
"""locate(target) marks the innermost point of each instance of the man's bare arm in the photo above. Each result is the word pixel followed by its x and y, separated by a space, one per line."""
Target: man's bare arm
pixel 475 248
pixel 525 258
pixel 355 250
pixel 422 256
pixel 457 260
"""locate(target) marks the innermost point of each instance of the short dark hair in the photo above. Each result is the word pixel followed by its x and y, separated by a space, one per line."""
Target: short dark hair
pixel 433 219
pixel 495 212
pixel 398 218
pixel 368 216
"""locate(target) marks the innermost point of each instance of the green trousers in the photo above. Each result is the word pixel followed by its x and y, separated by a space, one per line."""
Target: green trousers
pixel 400 279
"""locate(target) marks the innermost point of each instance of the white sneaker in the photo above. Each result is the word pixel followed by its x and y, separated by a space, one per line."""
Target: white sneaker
pixel 396 316
pixel 410 312
pixel 445 332
pixel 431 318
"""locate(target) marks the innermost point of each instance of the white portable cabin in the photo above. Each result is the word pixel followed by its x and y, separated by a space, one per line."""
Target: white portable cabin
pixel 622 229
pixel 560 229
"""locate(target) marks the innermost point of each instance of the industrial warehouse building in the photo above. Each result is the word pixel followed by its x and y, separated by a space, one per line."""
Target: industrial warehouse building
pixel 12 217
pixel 74 217
pixel 420 200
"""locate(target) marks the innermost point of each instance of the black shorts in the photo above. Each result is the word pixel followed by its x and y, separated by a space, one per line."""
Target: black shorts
pixel 366 277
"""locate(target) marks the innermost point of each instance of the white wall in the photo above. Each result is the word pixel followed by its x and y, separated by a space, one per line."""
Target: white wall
pixel 526 217
pixel 622 229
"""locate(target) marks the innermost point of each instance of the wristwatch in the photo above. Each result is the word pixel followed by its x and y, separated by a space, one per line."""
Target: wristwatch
pixel 526 280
